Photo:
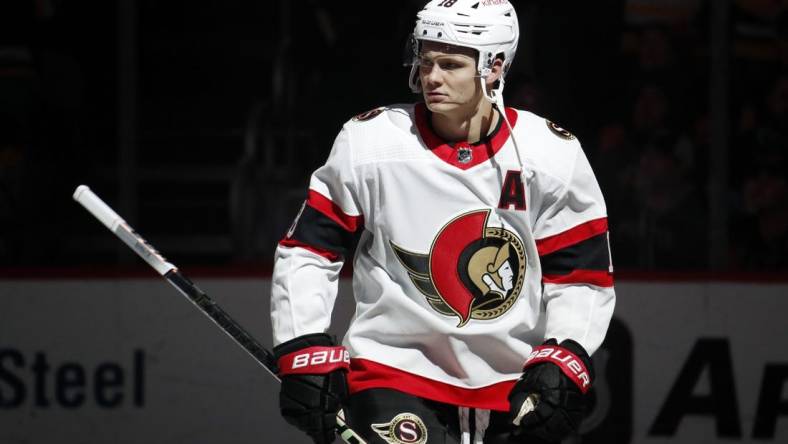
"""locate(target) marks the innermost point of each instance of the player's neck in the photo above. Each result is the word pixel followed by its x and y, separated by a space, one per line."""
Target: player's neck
pixel 470 126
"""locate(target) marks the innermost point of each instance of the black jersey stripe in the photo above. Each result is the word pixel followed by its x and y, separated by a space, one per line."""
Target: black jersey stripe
pixel 317 230
pixel 590 254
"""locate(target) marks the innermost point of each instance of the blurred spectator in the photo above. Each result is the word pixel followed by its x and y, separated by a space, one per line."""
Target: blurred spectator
pixel 525 95
pixel 760 230
pixel 41 92
pixel 671 219
pixel 761 243
pixel 777 103
pixel 20 91
pixel 647 169
pixel 762 141
pixel 614 163
pixel 781 34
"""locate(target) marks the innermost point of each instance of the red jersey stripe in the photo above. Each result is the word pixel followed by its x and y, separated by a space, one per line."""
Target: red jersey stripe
pixel 365 374
pixel 571 236
pixel 332 211
pixel 292 243
pixel 593 277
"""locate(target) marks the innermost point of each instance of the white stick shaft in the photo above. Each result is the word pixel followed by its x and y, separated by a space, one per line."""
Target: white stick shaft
pixel 117 225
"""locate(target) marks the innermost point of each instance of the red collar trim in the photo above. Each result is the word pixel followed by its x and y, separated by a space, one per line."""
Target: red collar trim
pixel 480 152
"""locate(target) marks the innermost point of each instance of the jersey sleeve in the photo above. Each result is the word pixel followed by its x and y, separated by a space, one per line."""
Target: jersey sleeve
pixel 308 260
pixel 577 274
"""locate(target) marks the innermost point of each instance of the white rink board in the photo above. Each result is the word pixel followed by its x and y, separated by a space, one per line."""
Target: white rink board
pixel 192 385
pixel 666 321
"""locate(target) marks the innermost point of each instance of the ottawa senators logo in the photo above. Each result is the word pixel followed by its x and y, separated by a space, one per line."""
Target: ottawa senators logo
pixel 472 271
pixel 405 428
pixel 560 132
pixel 368 115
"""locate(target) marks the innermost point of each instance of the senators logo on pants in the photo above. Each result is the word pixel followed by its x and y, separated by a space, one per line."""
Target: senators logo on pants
pixel 405 428
pixel 472 271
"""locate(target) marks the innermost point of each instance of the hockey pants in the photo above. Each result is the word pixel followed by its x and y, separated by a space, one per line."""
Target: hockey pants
pixel 392 417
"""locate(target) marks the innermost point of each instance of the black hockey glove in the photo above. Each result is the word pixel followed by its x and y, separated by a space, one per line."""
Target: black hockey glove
pixel 556 378
pixel 314 384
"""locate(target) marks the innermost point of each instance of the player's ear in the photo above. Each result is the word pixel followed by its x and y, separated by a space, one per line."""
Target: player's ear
pixel 496 71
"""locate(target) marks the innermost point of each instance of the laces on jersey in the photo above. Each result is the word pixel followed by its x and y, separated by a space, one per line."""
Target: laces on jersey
pixel 481 422
pixel 496 98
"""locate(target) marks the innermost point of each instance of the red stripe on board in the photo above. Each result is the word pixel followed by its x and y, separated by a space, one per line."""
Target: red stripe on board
pixel 593 277
pixel 571 236
pixel 292 243
pixel 262 270
pixel 332 211
pixel 365 374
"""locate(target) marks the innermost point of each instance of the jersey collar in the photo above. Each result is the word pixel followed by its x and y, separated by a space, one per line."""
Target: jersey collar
pixel 449 152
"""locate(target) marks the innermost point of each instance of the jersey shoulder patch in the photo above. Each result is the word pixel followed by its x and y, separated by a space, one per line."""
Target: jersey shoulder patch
pixel 558 131
pixel 369 115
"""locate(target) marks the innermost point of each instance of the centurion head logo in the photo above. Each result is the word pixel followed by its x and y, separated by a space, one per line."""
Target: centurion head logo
pixel 472 271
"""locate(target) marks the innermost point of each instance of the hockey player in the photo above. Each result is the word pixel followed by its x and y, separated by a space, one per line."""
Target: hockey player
pixel 481 267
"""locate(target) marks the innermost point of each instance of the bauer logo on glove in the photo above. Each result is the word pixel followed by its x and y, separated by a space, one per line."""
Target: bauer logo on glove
pixel 315 360
pixel 548 400
pixel 570 364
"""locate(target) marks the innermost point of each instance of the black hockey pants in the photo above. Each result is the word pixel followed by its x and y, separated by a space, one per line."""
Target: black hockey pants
pixel 388 416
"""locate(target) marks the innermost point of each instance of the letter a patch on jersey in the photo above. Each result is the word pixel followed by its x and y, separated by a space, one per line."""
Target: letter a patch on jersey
pixel 512 192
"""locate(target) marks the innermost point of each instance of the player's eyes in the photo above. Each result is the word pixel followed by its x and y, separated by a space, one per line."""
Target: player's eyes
pixel 426 63
pixel 444 65
pixel 448 66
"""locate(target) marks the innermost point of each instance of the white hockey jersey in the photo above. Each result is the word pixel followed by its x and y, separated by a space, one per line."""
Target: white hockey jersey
pixel 459 268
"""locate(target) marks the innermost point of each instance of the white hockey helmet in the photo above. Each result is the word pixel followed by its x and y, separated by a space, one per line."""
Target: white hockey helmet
pixel 488 26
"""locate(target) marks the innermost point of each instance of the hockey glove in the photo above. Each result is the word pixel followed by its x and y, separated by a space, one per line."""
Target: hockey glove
pixel 314 384
pixel 556 378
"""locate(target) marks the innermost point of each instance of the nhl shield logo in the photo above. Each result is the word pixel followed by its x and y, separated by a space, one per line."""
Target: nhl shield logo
pixel 464 155
pixel 472 271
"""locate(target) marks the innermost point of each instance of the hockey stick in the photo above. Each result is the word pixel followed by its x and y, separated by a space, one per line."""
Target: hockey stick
pixel 202 301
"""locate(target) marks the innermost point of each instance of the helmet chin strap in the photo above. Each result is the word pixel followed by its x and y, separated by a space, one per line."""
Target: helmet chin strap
pixel 495 96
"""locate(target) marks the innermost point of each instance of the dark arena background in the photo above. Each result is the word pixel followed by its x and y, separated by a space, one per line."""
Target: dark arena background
pixel 200 123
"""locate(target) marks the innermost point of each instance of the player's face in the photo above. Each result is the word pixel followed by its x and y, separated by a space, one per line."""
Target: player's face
pixel 507 275
pixel 448 78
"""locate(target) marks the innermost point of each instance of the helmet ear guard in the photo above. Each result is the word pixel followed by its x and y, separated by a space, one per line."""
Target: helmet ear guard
pixel 410 57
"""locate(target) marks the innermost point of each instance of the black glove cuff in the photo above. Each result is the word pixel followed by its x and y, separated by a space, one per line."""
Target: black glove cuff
pixel 581 353
pixel 568 356
pixel 301 342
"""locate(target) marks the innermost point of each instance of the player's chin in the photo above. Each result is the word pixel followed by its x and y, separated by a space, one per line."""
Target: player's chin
pixel 441 107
